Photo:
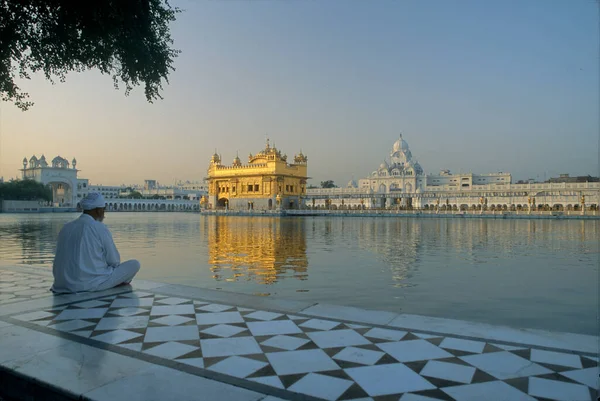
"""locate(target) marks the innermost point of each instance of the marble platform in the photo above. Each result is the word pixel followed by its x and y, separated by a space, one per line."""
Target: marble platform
pixel 157 341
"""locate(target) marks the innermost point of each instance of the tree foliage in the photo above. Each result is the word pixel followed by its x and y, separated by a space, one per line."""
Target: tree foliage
pixel 129 40
pixel 135 195
pixel 25 190
pixel 328 184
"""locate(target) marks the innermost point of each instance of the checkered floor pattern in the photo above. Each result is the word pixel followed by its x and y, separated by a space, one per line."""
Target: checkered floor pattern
pixel 16 287
pixel 323 358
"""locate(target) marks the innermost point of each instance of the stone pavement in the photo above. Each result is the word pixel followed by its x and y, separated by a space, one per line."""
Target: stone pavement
pixel 161 342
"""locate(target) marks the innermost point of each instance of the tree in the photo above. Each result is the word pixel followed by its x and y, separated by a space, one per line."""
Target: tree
pixel 135 195
pixel 328 184
pixel 129 40
pixel 25 190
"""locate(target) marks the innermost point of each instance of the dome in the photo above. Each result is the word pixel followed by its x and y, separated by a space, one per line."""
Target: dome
pixel 400 144
pixel 352 184
pixel 384 165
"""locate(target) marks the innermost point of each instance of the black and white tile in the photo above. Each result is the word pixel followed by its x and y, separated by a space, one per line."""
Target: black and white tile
pixel 17 287
pixel 323 358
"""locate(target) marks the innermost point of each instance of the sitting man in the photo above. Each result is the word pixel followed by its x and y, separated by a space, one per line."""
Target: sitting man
pixel 86 256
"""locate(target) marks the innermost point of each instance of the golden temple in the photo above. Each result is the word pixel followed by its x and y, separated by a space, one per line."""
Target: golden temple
pixel 267 182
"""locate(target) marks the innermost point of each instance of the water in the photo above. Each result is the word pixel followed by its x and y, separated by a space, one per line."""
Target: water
pixel 537 273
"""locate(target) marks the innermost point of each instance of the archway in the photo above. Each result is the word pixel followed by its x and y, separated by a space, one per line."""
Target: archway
pixel 271 203
pixel 408 188
pixel 222 202
pixel 62 192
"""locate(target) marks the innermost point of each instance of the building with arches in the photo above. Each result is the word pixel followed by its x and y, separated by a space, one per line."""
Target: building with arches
pixel 60 175
pixel 68 189
pixel 268 181
pixel 400 182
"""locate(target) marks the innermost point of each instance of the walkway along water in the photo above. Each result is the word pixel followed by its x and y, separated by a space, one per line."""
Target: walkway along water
pixel 158 341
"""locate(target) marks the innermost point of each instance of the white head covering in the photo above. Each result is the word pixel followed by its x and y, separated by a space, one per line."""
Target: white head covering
pixel 92 201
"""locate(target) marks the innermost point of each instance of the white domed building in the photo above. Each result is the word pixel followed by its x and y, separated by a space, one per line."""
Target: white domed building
pixel 401 174
pixel 60 175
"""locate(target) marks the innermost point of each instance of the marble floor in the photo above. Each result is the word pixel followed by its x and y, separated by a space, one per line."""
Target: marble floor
pixel 281 355
pixel 17 287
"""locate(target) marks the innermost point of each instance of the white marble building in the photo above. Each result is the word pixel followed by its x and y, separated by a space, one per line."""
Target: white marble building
pixel 68 189
pixel 402 183
pixel 60 175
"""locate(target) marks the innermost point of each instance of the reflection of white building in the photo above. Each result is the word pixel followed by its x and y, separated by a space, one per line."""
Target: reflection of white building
pixel 60 175
pixel 401 182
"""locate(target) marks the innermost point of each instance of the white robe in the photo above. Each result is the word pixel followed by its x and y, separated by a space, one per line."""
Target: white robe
pixel 86 256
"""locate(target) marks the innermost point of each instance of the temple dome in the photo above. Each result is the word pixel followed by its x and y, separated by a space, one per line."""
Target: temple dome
pixel 400 144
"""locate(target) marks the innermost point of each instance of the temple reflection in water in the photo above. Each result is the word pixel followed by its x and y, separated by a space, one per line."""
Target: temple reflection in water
pixel 263 250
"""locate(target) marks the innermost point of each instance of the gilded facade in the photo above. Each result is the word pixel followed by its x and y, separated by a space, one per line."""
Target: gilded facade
pixel 266 182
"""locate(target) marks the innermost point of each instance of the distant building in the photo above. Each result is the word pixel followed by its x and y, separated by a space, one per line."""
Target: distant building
pixel 108 191
pixel 268 181
pixel 60 175
pixel 568 178
pixel 150 185
pixel 68 189
pixel 400 182
pixel 404 175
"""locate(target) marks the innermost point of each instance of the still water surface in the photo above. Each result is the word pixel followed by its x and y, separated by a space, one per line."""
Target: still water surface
pixel 536 273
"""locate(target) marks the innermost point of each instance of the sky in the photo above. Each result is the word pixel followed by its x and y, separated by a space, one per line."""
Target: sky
pixel 473 86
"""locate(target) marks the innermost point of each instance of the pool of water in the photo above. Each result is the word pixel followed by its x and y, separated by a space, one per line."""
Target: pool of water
pixel 522 273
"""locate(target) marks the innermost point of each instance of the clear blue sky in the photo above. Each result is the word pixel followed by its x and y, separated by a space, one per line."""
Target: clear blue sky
pixel 474 85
